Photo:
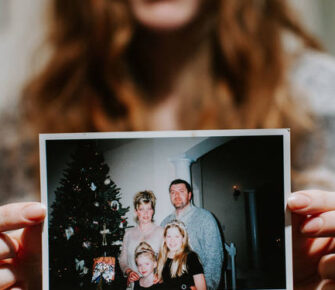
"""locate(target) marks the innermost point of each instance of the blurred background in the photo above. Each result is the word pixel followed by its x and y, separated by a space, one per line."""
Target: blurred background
pixel 23 25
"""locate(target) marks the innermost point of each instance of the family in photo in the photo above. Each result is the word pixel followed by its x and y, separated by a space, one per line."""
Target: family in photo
pixel 117 224
pixel 184 252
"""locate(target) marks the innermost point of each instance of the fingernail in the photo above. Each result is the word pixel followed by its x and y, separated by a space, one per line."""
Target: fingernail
pixel 34 212
pixel 298 201
pixel 312 226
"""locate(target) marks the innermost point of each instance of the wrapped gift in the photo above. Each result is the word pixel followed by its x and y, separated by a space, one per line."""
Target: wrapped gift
pixel 103 270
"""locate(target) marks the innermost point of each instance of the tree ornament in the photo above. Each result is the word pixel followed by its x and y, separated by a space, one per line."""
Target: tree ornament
pixel 79 264
pixel 117 243
pixel 87 244
pixel 107 181
pixel 84 272
pixel 69 232
pixel 115 205
pixel 80 267
pixel 104 233
pixel 93 187
pixel 96 204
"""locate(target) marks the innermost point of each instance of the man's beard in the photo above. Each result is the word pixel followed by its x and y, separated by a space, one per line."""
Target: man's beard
pixel 181 205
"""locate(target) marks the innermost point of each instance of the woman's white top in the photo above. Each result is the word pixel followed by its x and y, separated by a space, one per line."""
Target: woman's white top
pixel 131 240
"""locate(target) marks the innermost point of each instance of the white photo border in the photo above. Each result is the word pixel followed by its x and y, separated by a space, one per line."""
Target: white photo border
pixel 285 133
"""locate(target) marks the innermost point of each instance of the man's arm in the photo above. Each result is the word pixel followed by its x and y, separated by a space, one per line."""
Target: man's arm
pixel 212 249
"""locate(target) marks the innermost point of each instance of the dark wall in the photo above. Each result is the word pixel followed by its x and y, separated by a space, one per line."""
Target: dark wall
pixel 252 163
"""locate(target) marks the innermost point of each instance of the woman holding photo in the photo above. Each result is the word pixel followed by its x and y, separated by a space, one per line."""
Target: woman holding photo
pixel 180 64
pixel 145 231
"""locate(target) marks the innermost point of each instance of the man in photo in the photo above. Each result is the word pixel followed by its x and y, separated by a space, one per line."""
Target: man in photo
pixel 202 228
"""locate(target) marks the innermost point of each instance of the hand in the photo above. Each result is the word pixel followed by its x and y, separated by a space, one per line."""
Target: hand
pixel 20 250
pixel 132 276
pixel 156 280
pixel 313 229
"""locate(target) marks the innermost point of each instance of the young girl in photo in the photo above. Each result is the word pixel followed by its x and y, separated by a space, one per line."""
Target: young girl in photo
pixel 146 262
pixel 178 266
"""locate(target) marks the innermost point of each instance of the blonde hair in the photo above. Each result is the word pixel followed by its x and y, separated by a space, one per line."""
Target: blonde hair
pixel 145 197
pixel 144 249
pixel 178 265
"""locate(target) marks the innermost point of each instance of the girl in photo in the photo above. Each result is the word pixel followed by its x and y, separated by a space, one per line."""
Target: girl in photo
pixel 146 262
pixel 178 266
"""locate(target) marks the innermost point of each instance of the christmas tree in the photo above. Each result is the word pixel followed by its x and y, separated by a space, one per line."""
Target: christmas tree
pixel 87 221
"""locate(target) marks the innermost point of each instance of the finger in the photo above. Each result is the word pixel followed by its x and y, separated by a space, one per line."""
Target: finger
pixel 8 247
pixel 327 267
pixel 29 240
pixel 134 274
pixel 322 225
pixel 311 202
pixel 327 285
pixel 7 276
pixel 29 254
pixel 19 286
pixel 134 277
pixel 19 215
pixel 133 280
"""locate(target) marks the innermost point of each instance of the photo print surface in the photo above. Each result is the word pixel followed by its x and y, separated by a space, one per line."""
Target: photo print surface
pixel 241 177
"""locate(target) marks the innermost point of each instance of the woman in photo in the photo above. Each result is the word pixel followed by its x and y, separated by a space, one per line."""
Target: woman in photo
pixel 145 231
pixel 178 266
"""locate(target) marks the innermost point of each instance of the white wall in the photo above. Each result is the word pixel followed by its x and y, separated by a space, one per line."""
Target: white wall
pixel 144 164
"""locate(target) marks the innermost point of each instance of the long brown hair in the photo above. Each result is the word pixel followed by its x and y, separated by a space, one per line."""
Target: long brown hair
pixel 86 85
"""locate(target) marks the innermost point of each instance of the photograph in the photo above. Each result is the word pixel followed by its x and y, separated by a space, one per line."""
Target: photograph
pixel 167 210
